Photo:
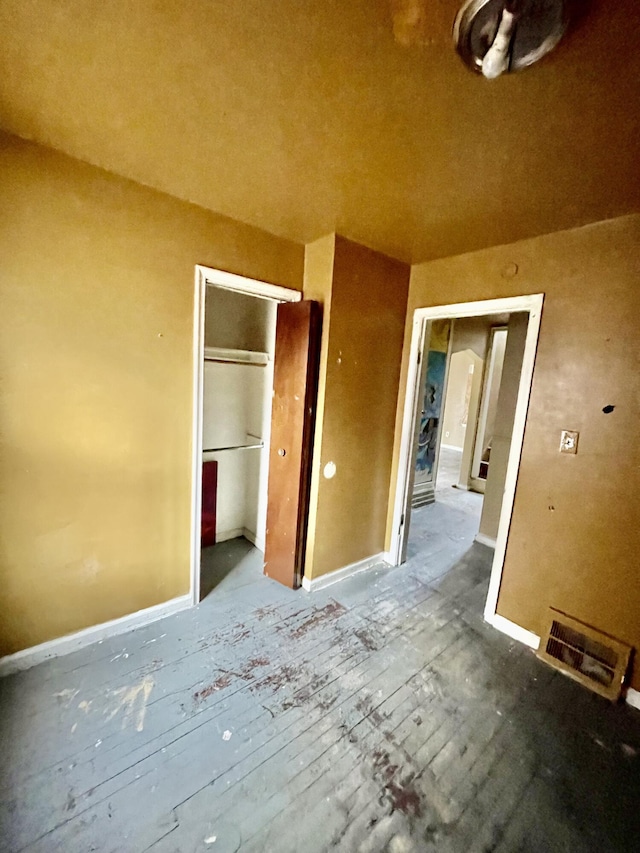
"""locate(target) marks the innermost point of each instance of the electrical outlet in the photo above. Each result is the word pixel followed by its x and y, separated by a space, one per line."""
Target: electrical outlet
pixel 569 441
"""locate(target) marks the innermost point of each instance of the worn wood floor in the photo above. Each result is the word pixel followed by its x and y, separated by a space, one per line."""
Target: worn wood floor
pixel 381 714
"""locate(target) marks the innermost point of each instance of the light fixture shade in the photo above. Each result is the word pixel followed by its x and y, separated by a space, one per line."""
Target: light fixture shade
pixel 539 27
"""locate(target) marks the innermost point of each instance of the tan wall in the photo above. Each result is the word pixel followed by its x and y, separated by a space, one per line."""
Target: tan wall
pixel 574 538
pixel 492 388
pixel 360 368
pixel 472 333
pixel 502 430
pixel 475 398
pixel 96 288
pixel 462 368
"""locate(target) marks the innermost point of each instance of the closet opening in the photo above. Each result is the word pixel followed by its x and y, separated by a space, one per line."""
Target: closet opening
pixel 254 401
pixel 239 346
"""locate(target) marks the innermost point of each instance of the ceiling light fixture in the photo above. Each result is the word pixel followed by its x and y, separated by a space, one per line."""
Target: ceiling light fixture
pixel 494 37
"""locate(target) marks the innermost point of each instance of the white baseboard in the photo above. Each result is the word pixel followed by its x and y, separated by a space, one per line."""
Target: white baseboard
pixel 633 698
pixel 485 540
pixel 27 658
pixel 235 533
pixel 340 574
pixel 506 626
pixel 253 538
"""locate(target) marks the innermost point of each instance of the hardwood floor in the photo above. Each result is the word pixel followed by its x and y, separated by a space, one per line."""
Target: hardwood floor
pixel 380 714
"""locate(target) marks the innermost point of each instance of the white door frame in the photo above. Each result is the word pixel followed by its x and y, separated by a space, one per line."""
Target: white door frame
pixel 533 305
pixel 228 281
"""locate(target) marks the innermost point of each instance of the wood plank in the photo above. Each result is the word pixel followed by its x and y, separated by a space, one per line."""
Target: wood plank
pixel 379 714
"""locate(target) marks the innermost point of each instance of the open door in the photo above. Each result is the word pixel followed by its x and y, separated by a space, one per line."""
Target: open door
pixel 418 391
pixel 295 380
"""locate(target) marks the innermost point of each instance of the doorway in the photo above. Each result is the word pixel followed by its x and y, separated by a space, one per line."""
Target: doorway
pixel 463 428
pixel 234 353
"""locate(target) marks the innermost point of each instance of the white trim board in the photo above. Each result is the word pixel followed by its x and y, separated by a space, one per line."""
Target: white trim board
pixel 208 277
pixel 485 540
pixel 27 658
pixel 233 533
pixel 238 533
pixel 251 286
pixel 346 572
pixel 516 632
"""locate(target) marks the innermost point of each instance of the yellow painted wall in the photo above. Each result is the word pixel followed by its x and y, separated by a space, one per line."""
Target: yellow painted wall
pixel 574 539
pixel 96 295
pixel 365 294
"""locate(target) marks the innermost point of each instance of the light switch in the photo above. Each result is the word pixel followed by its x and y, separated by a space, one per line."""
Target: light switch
pixel 569 441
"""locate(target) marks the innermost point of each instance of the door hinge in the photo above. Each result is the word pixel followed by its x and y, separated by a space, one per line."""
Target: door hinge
pixel 401 520
pixel 419 357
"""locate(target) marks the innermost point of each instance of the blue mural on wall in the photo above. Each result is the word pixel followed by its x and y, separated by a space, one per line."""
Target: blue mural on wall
pixel 431 411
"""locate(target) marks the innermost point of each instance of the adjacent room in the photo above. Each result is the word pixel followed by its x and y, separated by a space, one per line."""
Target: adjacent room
pixel 466 406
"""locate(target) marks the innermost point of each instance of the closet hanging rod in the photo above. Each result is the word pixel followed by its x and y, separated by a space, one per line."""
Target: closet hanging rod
pixel 235 361
pixel 225 355
pixel 233 447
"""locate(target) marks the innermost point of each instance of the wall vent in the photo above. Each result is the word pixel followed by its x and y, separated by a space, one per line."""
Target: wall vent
pixel 584 654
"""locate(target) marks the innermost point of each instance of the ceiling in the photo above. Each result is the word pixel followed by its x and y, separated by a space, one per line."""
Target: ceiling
pixel 305 116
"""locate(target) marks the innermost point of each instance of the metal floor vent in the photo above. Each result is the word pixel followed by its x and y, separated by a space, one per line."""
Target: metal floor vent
pixel 586 655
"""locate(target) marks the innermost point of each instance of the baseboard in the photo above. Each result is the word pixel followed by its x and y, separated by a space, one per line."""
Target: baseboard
pixel 254 539
pixel 27 658
pixel 235 533
pixel 476 485
pixel 485 540
pixel 633 698
pixel 506 626
pixel 340 574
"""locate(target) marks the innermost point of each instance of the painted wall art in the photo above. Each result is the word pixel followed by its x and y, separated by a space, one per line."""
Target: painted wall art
pixel 432 403
pixel 431 412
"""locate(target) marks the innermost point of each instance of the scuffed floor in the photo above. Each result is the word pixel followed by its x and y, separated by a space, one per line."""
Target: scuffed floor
pixel 379 714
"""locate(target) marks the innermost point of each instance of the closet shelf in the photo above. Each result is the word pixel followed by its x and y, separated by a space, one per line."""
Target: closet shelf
pixel 234 447
pixel 236 356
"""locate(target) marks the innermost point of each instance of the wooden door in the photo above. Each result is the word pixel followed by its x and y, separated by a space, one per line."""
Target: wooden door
pixel 295 380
